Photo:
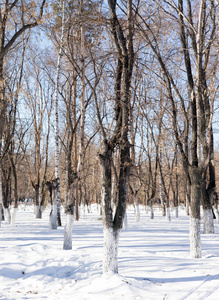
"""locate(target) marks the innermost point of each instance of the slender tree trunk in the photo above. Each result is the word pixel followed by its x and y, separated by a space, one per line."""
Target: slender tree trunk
pixel 75 149
pixel 3 101
pixel 14 211
pixel 208 221
pixel 70 179
pixel 3 108
pixel 56 205
pixel 80 167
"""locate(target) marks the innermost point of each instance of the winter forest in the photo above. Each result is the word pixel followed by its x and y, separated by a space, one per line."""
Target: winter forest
pixel 108 130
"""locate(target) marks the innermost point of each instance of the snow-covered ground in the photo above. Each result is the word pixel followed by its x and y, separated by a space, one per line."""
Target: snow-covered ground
pixel 154 260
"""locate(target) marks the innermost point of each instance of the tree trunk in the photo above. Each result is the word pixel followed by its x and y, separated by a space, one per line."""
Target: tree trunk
pixel 215 205
pixel 151 207
pixel 208 192
pixel 80 167
pixel 39 207
pixel 75 148
pixel 53 217
pixel 112 227
pixel 69 210
pixel 162 201
pixel 110 246
pixel 207 211
pixel 109 263
pixel 3 100
pixel 208 221
pixel 37 202
pixel 195 237
pixel 7 214
pixel 176 194
pixel 52 187
pixel 56 205
pixel 168 215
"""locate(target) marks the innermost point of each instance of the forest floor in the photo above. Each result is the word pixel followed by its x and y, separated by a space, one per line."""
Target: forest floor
pixel 154 262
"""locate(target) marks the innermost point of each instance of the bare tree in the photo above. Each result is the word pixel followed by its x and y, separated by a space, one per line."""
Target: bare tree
pixel 112 224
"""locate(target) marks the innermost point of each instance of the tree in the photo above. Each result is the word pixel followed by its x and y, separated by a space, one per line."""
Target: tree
pixel 125 60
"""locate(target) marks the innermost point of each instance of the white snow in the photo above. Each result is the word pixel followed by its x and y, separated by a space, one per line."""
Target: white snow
pixel 153 260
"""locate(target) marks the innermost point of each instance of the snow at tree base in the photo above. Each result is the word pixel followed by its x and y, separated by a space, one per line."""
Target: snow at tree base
pixel 154 260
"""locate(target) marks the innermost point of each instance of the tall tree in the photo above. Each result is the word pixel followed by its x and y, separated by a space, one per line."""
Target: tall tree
pixel 112 224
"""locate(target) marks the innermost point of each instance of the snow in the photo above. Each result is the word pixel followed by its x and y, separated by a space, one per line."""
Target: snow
pixel 153 260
